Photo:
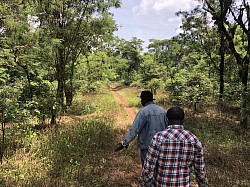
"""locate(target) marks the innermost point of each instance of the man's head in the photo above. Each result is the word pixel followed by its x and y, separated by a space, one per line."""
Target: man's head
pixel 146 96
pixel 175 115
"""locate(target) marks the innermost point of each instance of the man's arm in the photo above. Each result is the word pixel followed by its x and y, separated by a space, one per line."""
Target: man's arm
pixel 148 170
pixel 200 169
pixel 132 132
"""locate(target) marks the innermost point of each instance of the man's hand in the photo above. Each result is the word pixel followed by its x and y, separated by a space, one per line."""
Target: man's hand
pixel 119 147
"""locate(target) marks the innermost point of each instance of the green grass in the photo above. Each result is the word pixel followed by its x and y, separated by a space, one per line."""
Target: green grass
pixel 226 144
pixel 226 147
pixel 66 157
pixel 131 96
pixel 75 154
pixel 80 151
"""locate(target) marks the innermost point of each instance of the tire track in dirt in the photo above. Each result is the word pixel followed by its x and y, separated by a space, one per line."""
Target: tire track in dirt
pixel 135 174
pixel 129 110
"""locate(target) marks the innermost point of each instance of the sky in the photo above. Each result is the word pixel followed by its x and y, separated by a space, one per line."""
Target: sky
pixel 150 19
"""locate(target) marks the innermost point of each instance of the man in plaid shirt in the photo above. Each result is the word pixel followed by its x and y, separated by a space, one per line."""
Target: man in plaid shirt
pixel 171 156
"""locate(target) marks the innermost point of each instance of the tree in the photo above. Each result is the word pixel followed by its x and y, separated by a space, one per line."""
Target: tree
pixel 77 27
pixel 42 42
pixel 152 72
pixel 230 16
pixel 196 27
pixel 131 51
pixel 94 69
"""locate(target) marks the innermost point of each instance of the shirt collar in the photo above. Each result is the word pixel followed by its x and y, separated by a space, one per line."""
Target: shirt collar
pixel 176 127
pixel 148 103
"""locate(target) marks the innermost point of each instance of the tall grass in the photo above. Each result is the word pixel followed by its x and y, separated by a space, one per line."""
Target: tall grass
pixel 67 157
pixel 226 148
pixel 80 151
pixel 76 154
pixel 226 144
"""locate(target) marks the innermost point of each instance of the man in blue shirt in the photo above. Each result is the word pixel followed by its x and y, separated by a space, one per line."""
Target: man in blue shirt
pixel 150 119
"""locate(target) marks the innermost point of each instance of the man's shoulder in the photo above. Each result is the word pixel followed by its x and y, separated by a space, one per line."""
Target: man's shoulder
pixel 173 135
pixel 192 137
pixel 161 135
pixel 153 105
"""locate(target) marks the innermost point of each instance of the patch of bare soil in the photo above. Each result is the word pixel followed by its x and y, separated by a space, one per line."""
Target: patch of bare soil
pixel 128 109
pixel 135 170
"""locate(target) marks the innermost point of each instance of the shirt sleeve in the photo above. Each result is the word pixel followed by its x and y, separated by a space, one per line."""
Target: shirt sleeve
pixel 135 128
pixel 148 170
pixel 200 169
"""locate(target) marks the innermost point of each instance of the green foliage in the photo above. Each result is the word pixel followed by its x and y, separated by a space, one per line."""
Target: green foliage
pixel 120 66
pixel 79 143
pixel 93 71
pixel 53 50
pixel 40 53
pixel 152 72
pixel 229 30
pixel 11 109
pixel 127 58
pixel 83 109
pixel 74 154
pixel 80 30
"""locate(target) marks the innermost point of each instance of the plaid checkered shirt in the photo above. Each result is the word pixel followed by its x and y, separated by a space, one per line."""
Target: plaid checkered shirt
pixel 171 157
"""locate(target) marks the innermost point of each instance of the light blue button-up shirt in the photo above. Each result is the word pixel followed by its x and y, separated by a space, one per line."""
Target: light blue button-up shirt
pixel 149 120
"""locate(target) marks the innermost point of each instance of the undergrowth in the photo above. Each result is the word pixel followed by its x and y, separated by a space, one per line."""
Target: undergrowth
pixel 76 154
pixel 80 152
pixel 226 144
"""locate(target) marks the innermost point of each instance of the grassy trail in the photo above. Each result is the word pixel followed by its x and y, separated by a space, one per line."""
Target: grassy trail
pixel 128 109
pixel 80 152
pixel 226 144
pixel 134 167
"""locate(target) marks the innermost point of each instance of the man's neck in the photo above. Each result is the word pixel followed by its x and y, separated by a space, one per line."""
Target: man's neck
pixel 175 122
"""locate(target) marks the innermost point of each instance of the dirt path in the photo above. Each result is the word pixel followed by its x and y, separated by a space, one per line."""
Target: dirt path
pixel 129 110
pixel 135 174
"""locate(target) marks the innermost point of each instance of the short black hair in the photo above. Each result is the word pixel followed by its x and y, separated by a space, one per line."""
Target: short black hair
pixel 175 113
pixel 147 95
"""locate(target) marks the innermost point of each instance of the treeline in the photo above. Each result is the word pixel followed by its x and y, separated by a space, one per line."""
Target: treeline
pixel 52 49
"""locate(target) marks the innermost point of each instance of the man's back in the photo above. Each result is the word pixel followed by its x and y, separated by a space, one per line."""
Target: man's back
pixel 152 119
pixel 170 159
pixel 149 120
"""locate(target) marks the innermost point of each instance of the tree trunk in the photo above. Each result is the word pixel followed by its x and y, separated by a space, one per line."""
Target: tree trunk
pixel 3 139
pixel 244 95
pixel 53 119
pixel 69 96
pixel 229 33
pixel 69 88
pixel 222 66
pixel 60 67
